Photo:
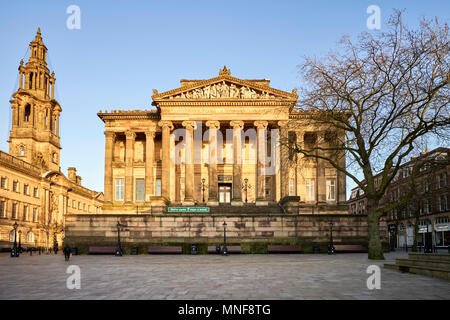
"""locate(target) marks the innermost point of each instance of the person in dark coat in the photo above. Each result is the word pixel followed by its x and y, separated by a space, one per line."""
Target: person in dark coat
pixel 67 251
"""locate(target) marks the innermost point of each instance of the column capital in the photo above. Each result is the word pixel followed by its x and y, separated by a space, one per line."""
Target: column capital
pixel 166 124
pixel 110 134
pixel 150 134
pixel 213 124
pixel 237 124
pixel 130 135
pixel 189 124
pixel 261 124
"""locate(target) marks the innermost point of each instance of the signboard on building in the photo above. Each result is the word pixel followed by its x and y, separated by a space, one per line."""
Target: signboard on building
pixel 188 209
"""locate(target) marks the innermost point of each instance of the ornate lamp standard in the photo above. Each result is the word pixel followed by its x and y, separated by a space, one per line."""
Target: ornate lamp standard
pixel 20 241
pixel 245 187
pixel 330 245
pixel 224 250
pixel 203 188
pixel 14 251
pixel 119 248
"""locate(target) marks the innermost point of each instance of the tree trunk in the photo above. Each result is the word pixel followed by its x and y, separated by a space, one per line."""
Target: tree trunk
pixel 375 247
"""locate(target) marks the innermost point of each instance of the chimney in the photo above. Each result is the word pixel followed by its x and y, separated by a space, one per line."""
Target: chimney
pixel 72 174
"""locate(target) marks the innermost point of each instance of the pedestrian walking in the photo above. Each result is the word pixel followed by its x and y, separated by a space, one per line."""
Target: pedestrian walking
pixel 67 251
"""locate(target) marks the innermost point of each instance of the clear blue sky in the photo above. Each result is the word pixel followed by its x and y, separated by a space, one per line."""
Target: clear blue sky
pixel 125 49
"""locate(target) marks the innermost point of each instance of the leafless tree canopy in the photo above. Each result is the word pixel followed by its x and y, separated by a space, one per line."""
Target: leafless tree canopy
pixel 389 92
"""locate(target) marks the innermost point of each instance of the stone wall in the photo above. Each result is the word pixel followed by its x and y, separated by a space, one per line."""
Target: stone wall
pixel 141 230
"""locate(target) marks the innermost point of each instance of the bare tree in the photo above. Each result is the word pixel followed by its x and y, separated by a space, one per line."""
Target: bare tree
pixel 386 94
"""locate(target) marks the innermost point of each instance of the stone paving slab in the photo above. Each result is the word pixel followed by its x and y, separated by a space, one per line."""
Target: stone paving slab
pixel 290 276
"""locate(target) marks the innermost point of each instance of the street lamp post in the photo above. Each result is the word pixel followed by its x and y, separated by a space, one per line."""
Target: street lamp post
pixel 245 187
pixel 331 246
pixel 203 188
pixel 20 241
pixel 14 251
pixel 119 248
pixel 224 250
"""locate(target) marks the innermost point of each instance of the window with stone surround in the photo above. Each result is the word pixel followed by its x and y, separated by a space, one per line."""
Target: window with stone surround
pixel 310 190
pixel 35 214
pixel 3 183
pixel 25 213
pixel 140 189
pixel 15 186
pixel 331 189
pixel 158 187
pixel 14 211
pixel 119 189
pixel 2 209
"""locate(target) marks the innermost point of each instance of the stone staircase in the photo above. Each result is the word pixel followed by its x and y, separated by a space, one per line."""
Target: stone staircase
pixel 428 264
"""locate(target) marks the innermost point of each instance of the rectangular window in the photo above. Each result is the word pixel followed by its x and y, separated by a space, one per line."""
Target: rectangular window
pixel 2 209
pixel 291 187
pixel 14 211
pixel 3 183
pixel 79 205
pixel 140 190
pixel 25 213
pixel 35 193
pixel 158 187
pixel 443 203
pixel 15 186
pixel 331 190
pixel 74 205
pixel 25 189
pixel 310 190
pixel 35 216
pixel 120 189
pixel 84 206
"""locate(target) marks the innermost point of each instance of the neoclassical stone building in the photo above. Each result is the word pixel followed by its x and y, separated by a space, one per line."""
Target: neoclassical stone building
pixel 218 142
pixel 33 190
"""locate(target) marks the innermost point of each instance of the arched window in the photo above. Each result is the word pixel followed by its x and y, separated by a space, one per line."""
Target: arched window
pixel 54 157
pixel 21 151
pixel 30 237
pixel 26 116
pixel 30 82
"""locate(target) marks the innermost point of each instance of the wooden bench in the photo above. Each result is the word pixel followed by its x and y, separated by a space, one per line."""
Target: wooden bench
pixel 284 249
pixel 165 250
pixel 346 248
pixel 230 249
pixel 102 250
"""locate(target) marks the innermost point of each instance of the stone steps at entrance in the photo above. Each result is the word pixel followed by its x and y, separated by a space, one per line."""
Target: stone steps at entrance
pixel 429 256
pixel 424 263
pixel 427 264
pixel 425 271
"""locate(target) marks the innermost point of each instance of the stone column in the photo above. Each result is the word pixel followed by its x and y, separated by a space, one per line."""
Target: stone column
pixel 189 163
pixel 237 162
pixel 129 155
pixel 284 159
pixel 213 199
pixel 110 138
pixel 167 126
pixel 149 160
pixel 261 155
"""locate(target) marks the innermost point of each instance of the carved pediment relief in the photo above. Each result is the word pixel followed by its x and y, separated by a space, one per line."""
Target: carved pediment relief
pixel 224 90
pixel 224 87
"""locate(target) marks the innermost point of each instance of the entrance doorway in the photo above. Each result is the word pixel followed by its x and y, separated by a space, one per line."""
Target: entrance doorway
pixel 224 192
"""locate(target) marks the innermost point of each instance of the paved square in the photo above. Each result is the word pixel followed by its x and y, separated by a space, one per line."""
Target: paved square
pixel 301 276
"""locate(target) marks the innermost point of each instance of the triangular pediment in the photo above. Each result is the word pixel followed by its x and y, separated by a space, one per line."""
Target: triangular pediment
pixel 225 87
